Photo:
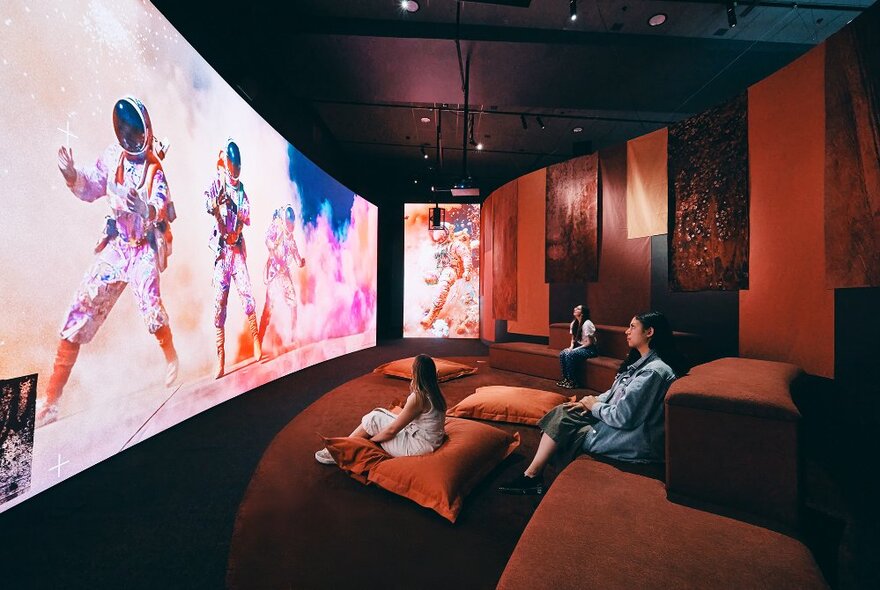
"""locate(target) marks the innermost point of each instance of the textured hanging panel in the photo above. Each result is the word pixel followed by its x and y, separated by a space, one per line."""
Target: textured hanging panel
pixel 852 154
pixel 504 262
pixel 709 200
pixel 572 230
pixel 647 188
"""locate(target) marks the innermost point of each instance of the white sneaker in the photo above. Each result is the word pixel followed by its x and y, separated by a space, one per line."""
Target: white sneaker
pixel 324 457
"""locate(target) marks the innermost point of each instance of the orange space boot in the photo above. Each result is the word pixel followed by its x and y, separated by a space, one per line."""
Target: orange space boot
pixel 65 358
pixel 255 334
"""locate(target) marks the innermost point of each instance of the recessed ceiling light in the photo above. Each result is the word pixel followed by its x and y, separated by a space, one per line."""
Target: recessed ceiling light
pixel 426 119
pixel 577 129
pixel 657 20
pixel 409 5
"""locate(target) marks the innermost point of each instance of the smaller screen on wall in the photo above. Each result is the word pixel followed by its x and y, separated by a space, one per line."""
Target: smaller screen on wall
pixel 441 284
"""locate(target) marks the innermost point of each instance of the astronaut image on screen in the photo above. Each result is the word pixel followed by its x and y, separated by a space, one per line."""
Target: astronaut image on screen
pixel 454 262
pixel 228 203
pixel 133 249
pixel 283 255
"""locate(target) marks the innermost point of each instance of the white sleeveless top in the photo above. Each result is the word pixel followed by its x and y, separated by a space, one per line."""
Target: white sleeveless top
pixel 429 426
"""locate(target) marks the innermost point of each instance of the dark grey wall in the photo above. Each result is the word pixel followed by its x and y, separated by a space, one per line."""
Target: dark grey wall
pixel 714 315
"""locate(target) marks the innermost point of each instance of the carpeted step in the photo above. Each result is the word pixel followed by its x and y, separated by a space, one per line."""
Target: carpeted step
pixel 525 357
pixel 634 537
pixel 543 361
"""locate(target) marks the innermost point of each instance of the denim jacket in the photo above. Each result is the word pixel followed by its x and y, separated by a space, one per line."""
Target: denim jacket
pixel 631 413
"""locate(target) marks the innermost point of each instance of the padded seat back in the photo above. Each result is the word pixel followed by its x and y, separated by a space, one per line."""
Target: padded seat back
pixel 731 437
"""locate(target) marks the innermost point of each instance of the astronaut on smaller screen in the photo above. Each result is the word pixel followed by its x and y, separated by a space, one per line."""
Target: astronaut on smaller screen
pixel 454 262
pixel 283 254
pixel 133 249
pixel 228 203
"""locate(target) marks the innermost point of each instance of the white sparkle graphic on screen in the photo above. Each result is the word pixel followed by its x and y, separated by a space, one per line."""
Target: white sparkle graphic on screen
pixel 66 131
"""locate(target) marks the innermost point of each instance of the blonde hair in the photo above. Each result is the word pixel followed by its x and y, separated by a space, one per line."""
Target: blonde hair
pixel 425 384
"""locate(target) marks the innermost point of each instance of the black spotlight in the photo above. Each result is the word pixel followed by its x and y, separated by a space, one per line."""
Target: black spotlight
pixel 731 14
pixel 573 9
pixel 522 119
pixel 540 123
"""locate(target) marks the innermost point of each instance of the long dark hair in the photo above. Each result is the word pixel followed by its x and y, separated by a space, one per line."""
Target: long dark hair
pixel 662 342
pixel 425 384
pixel 577 327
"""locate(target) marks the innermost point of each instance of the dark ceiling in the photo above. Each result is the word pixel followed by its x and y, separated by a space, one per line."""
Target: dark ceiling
pixel 348 82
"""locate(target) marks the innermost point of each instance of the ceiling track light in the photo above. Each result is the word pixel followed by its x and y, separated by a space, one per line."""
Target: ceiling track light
pixel 522 119
pixel 573 9
pixel 540 123
pixel 424 153
pixel 731 14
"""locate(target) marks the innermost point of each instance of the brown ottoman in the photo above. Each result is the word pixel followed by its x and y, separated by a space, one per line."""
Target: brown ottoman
pixel 731 437
pixel 599 527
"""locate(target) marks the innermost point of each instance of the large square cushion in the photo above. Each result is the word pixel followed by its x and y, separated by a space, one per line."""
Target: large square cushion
pixel 439 480
pixel 446 369
pixel 505 403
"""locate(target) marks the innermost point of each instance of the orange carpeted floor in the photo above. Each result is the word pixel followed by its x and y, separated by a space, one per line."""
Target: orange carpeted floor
pixel 306 525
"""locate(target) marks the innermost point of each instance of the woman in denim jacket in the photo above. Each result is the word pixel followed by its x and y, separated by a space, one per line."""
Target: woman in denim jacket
pixel 625 422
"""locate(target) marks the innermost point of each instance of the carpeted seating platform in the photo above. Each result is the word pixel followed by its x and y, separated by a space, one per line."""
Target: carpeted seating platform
pixel 597 373
pixel 626 534
pixel 732 437
pixel 306 525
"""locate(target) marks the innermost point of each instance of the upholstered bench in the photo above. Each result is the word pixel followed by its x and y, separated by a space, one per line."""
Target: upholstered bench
pixel 525 357
pixel 600 527
pixel 731 437
pixel 596 374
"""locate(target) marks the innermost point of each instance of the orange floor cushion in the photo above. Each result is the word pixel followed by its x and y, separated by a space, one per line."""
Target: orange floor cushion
pixel 505 403
pixel 439 480
pixel 446 369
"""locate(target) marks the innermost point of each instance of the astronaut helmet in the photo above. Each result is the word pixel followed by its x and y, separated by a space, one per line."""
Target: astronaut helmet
pixel 289 216
pixel 232 161
pixel 131 122
pixel 441 236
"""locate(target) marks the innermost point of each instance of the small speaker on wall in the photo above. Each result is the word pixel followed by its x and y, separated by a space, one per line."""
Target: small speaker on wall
pixel 582 148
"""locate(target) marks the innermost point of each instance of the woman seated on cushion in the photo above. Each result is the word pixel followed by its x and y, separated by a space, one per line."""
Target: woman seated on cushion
pixel 418 429
pixel 583 346
pixel 625 422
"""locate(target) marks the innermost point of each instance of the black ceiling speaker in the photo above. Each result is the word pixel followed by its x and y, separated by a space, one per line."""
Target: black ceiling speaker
pixel 436 218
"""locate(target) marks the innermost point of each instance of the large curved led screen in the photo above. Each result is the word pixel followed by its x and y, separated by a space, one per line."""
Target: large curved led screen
pixel 163 248
pixel 441 293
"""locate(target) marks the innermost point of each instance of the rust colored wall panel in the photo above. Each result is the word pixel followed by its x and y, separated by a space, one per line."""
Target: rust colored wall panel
pixel 572 225
pixel 852 154
pixel 487 320
pixel 709 204
pixel 504 251
pixel 533 294
pixel 787 314
pixel 624 285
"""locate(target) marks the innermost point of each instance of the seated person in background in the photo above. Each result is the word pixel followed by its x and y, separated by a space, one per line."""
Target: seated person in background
pixel 625 422
pixel 583 346
pixel 419 429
